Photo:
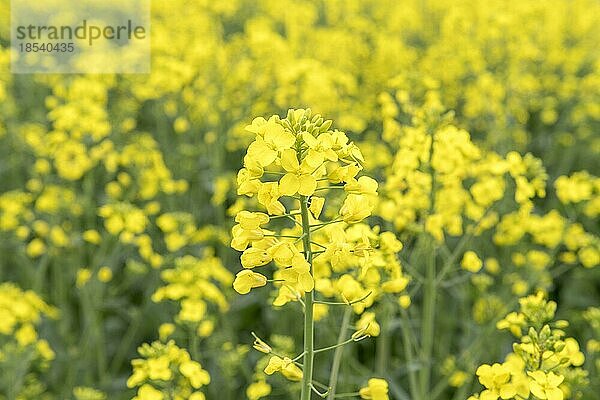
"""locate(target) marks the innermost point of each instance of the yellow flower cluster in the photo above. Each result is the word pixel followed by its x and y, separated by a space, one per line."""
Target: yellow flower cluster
pixel 544 363
pixel 23 354
pixel 440 181
pixel 580 187
pixel 488 61
pixel 129 223
pixel 307 156
pixel 167 372
pixel 20 313
pixel 179 229
pixel 31 216
pixel 194 283
pixel 554 233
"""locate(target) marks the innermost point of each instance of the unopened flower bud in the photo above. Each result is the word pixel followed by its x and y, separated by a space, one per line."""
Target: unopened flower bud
pixel 260 345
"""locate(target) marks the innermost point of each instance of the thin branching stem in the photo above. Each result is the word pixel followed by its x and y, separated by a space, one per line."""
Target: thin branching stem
pixel 339 303
pixel 337 356
pixel 308 309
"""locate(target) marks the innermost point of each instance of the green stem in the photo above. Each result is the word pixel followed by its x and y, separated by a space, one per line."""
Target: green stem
pixel 308 309
pixel 323 225
pixel 194 345
pixel 383 341
pixel 338 345
pixel 337 356
pixel 339 303
pixel 127 340
pixel 407 341
pixel 429 293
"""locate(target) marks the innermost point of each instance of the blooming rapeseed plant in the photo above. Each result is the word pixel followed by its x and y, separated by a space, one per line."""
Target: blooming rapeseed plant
pixel 291 168
pixel 544 363
pixel 167 372
pixel 24 356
